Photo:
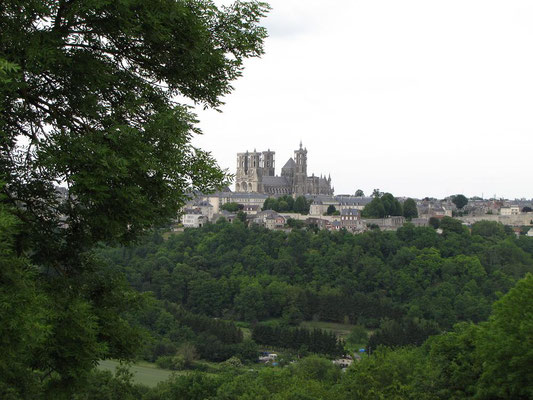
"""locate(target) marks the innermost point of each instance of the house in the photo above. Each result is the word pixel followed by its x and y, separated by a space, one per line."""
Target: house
pixel 228 216
pixel 352 202
pixel 429 209
pixel 270 219
pixel 266 357
pixel 390 223
pixel 218 199
pixel 251 209
pixel 320 204
pixel 350 219
pixel 343 362
pixel 198 206
pixel 511 210
pixel 274 222
pixel 334 225
pixel 530 233
pixel 194 220
pixel 320 223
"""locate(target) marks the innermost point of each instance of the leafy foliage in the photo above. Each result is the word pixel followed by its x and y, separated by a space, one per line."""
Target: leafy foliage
pixel 88 95
pixel 459 200
pixel 490 360
pixel 316 341
pixel 409 209
pixel 287 204
pixel 231 207
pixel 382 205
pixel 413 282
pixel 505 345
pixel 23 323
pixel 331 210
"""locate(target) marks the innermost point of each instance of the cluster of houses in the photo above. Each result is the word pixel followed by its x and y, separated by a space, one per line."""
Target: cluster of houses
pixel 209 208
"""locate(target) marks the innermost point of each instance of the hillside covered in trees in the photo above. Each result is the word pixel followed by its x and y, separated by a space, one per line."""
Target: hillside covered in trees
pixel 404 285
pixel 440 327
pixel 489 360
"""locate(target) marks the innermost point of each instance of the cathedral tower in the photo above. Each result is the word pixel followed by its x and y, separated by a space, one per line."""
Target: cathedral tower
pixel 267 163
pixel 249 172
pixel 300 173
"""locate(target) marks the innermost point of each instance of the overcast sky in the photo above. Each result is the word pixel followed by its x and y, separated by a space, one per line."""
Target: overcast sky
pixel 417 98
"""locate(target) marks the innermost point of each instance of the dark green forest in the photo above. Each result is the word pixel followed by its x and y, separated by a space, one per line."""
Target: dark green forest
pixel 405 286
pixel 413 281
pixel 487 360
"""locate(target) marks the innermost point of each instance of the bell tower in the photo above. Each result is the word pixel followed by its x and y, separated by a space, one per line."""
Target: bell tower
pixel 268 163
pixel 255 172
pixel 300 173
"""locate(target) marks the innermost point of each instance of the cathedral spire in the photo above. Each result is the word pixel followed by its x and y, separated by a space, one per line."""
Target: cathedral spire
pixel 300 144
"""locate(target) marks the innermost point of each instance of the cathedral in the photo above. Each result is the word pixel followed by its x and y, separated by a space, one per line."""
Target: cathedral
pixel 256 173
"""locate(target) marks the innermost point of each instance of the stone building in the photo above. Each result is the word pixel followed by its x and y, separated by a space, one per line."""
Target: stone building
pixel 194 220
pixel 256 174
pixel 351 220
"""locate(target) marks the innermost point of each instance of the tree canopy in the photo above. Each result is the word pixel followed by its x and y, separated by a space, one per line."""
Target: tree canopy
pixel 409 209
pixel 460 200
pixel 382 205
pixel 288 204
pixel 96 96
pixel 231 207
pixel 91 102
pixel 490 360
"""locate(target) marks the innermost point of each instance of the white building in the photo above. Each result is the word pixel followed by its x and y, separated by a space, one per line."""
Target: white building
pixel 195 220
pixel 511 210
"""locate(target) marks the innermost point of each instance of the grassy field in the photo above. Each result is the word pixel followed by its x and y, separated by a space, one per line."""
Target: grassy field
pixel 246 333
pixel 341 330
pixel 144 373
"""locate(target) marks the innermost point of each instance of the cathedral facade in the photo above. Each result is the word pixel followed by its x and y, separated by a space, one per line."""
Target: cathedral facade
pixel 256 173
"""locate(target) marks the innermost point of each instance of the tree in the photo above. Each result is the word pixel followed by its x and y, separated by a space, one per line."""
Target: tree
pixel 455 364
pixel 186 354
pixel 382 205
pixel 88 99
pixel 359 193
pixel 527 209
pixel 358 336
pixel 295 223
pixel 23 326
pixel 232 207
pixel 448 224
pixel 283 206
pixel 331 210
pixel 270 204
pixel 460 201
pixel 434 222
pixel 241 215
pixel 488 229
pixel 409 209
pixel 505 345
pixel 391 204
pixel 374 209
pixel 301 205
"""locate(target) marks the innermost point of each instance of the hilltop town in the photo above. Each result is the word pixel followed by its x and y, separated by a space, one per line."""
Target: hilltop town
pixel 256 183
